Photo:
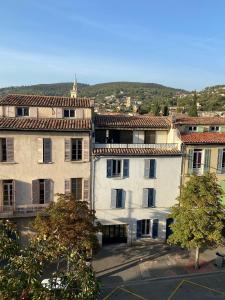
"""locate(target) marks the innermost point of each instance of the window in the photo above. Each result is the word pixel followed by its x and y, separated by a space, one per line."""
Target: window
pixel 214 128
pixel 76 149
pixel 42 191
pixel 192 128
pixel 150 137
pixel 118 198
pixel 223 161
pixel 69 113
pixel 47 150
pixel 145 227
pixel 197 159
pixel 149 197
pixel 6 150
pixel 118 168
pixel 7 192
pixel 76 188
pixel 150 168
pixel 22 111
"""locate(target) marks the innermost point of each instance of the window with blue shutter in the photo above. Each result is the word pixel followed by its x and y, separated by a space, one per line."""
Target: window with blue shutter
pixel 109 168
pixel 152 168
pixel 151 197
pixel 126 168
pixel 119 198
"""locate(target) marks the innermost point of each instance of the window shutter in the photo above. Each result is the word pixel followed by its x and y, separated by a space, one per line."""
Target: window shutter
pixel 155 228
pixel 1 195
pixel 123 198
pixel 152 168
pixel 207 160
pixel 190 161
pixel 126 168
pixel 48 190
pixel 113 198
pixel 86 190
pixel 67 186
pixel 0 150
pixel 14 193
pixel 59 112
pixel 35 191
pixel 40 149
pixel 47 145
pixel 109 168
pixel 67 149
pixel 145 198
pixel 219 161
pixel 147 168
pixel 10 149
pixel 151 197
pixel 85 150
pixel 138 228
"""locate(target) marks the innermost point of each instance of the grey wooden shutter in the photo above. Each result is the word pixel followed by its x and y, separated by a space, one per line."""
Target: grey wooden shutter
pixel 67 149
pixel 109 168
pixel 126 168
pixel 14 193
pixel 147 168
pixel 85 150
pixel 219 161
pixel 36 191
pixel 123 198
pixel 145 198
pixel 207 160
pixel 67 185
pixel 152 168
pixel 10 149
pixel 59 112
pixel 40 149
pixel 190 161
pixel 113 198
pixel 47 146
pixel 86 190
pixel 48 183
pixel 151 197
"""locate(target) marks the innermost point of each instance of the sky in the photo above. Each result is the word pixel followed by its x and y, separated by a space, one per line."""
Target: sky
pixel 178 43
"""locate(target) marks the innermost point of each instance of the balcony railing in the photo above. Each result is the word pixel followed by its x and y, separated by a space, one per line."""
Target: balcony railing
pixel 143 146
pixel 22 210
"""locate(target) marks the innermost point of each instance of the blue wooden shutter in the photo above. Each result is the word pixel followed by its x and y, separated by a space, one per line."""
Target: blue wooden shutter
pixel 190 161
pixel 155 227
pixel 152 168
pixel 126 168
pixel 147 168
pixel 219 161
pixel 207 160
pixel 145 198
pixel 138 228
pixel 109 168
pixel 151 197
pixel 113 198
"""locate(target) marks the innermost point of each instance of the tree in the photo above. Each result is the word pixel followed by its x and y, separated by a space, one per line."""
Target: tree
pixel 156 109
pixel 199 215
pixel 193 112
pixel 165 110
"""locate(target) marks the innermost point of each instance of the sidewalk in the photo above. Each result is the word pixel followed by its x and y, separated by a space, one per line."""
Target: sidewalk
pixel 117 264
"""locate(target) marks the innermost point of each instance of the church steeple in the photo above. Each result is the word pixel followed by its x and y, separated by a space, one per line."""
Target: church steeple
pixel 73 92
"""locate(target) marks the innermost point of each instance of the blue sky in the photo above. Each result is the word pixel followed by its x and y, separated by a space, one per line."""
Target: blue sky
pixel 179 43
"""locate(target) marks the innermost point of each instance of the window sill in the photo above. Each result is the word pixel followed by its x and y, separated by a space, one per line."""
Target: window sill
pixel 77 161
pixel 8 162
pixel 118 208
pixel 46 163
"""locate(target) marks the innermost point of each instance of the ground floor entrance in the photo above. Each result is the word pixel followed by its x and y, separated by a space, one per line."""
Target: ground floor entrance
pixel 112 234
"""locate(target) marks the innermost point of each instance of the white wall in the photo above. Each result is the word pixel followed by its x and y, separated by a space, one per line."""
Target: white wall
pixel 166 184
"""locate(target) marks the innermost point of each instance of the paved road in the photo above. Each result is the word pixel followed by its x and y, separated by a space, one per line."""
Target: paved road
pixel 191 287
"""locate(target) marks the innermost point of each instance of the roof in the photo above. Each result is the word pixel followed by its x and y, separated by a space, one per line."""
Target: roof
pixel 45 124
pixel 200 121
pixel 203 138
pixel 136 151
pixel 45 101
pixel 126 121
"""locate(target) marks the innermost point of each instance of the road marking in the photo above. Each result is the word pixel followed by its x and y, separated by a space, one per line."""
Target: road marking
pixel 205 287
pixel 132 293
pixel 111 293
pixel 175 290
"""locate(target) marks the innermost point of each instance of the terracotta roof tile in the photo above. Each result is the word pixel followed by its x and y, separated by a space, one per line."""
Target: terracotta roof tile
pixel 44 124
pixel 45 101
pixel 125 121
pixel 135 151
pixel 200 121
pixel 203 138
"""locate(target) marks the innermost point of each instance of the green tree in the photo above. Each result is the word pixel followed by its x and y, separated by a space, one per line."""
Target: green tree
pixel 165 110
pixel 156 109
pixel 192 111
pixel 198 215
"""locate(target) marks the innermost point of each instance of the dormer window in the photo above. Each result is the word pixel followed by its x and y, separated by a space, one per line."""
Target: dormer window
pixel 192 128
pixel 69 113
pixel 22 111
pixel 214 128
